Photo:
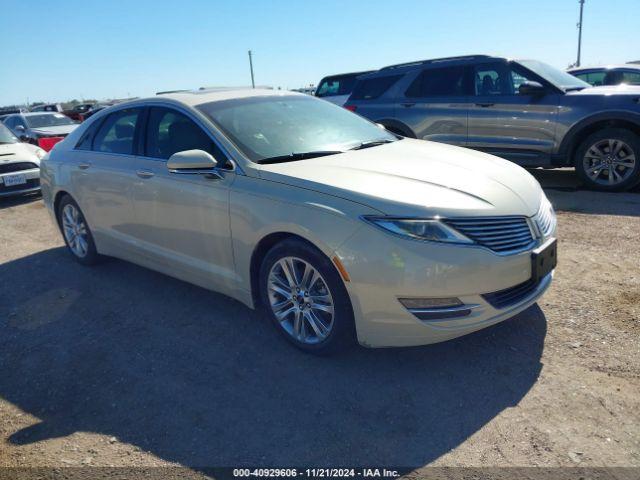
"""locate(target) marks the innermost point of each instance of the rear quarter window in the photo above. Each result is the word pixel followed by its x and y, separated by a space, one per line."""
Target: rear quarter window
pixel 371 88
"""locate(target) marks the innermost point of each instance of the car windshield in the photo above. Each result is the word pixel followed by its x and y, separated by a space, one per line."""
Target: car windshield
pixel 48 120
pixel 552 75
pixel 6 136
pixel 279 126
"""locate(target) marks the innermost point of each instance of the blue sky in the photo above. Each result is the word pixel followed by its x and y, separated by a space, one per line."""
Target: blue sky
pixel 55 51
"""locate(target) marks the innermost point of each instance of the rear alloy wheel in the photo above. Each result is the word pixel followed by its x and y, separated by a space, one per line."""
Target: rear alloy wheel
pixel 305 298
pixel 76 232
pixel 609 160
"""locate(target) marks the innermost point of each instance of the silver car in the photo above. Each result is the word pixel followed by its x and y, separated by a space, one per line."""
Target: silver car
pixel 337 228
pixel 522 110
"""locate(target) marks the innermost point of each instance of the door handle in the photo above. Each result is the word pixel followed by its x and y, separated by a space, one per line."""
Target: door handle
pixel 144 173
pixel 84 166
pixel 485 104
pixel 408 105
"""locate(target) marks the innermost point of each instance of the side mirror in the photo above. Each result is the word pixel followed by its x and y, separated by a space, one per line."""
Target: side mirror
pixel 193 162
pixel 531 88
pixel 20 128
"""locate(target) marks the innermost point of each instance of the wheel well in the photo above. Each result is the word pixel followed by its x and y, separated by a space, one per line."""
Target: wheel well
pixel 56 201
pixel 397 127
pixel 260 252
pixel 579 137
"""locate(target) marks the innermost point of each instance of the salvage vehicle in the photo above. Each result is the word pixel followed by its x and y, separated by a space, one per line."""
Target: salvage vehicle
pixel 336 227
pixel 43 129
pixel 19 165
pixel 521 110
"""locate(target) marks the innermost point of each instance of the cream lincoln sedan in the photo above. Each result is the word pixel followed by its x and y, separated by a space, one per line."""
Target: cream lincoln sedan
pixel 337 228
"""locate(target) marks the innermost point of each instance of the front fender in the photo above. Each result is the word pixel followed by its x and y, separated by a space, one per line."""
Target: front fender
pixel 573 133
pixel 259 208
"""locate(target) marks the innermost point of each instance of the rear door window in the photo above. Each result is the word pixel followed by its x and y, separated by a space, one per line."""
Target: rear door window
pixel 117 132
pixel 371 88
pixel 439 82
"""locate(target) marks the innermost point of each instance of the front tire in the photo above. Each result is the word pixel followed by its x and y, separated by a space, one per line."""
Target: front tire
pixel 76 233
pixel 609 160
pixel 304 296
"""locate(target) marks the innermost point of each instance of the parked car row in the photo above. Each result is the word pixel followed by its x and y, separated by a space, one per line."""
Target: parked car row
pixel 521 110
pixel 43 129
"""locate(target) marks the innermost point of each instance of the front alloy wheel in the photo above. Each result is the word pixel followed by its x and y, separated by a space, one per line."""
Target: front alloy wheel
pixel 305 297
pixel 300 300
pixel 608 160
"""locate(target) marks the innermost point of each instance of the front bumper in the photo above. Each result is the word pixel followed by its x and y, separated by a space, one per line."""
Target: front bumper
pixel 383 268
pixel 33 183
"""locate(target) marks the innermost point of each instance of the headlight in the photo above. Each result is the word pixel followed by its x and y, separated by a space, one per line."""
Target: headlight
pixel 546 217
pixel 40 153
pixel 419 229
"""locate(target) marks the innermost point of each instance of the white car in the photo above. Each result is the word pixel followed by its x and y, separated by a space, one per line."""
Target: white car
pixel 19 165
pixel 338 228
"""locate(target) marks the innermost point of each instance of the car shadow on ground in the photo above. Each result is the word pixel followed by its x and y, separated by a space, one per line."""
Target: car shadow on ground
pixel 196 378
pixel 13 201
pixel 567 194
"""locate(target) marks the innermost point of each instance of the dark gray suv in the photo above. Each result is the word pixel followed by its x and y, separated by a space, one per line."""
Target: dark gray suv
pixel 521 110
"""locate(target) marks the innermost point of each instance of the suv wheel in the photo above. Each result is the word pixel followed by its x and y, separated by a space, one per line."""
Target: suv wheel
pixel 76 233
pixel 609 160
pixel 305 298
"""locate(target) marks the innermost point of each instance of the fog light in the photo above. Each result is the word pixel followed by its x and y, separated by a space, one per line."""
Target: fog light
pixel 436 309
pixel 430 303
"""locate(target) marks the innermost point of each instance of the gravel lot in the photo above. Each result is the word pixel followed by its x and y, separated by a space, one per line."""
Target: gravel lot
pixel 118 365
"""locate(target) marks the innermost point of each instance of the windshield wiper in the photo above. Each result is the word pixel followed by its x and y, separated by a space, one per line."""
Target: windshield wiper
pixel 292 157
pixel 372 143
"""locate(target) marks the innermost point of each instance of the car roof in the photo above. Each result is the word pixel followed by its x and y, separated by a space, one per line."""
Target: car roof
pixel 199 97
pixel 348 74
pixel 402 68
pixel 31 114
pixel 625 66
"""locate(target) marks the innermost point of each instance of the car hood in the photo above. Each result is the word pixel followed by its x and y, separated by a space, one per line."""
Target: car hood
pixel 59 130
pixel 608 90
pixel 417 178
pixel 18 152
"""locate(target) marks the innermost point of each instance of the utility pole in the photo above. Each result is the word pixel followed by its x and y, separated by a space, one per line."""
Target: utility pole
pixel 580 33
pixel 253 83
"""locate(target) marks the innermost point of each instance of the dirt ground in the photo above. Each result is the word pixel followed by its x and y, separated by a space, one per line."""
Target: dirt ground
pixel 119 366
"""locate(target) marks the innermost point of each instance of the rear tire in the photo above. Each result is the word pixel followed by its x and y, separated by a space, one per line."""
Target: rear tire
pixel 609 160
pixel 306 299
pixel 76 233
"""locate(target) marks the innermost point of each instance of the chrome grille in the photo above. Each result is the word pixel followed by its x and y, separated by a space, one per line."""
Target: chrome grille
pixel 500 234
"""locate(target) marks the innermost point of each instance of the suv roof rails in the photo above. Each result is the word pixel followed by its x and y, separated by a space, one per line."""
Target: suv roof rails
pixel 435 60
